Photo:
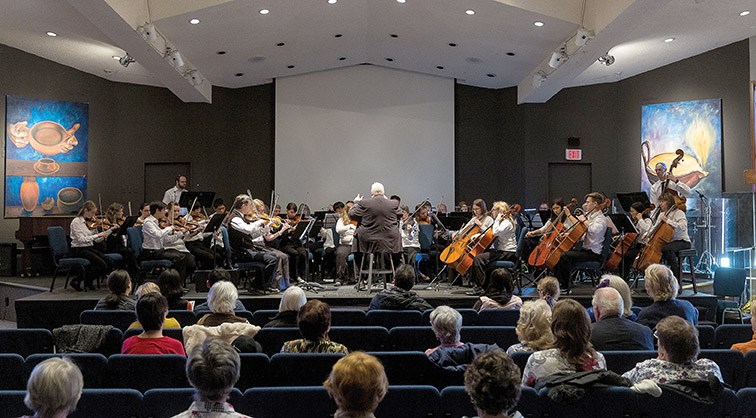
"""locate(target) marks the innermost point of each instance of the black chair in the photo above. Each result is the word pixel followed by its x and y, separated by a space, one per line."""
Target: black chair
pixel 729 284
pixel 147 371
pixel 301 369
pixel 746 401
pixel 690 254
pixel 120 319
pixel 592 269
pixel 364 338
pixel 728 334
pixel 165 403
pixel 749 362
pixel 262 316
pixel 93 367
pixel 730 363
pixel 348 317
pixel 499 317
pixel 501 336
pixel 12 372
pixel 56 236
pixel 469 316
pixel 146 267
pixel 12 404
pixel 389 318
pixel 272 339
pixel 26 342
pixel 622 361
pixel 412 338
pixel 254 372
pixel 290 402
pixel 184 317
pixel 111 403
pixel 244 267
pixel 408 368
pixel 427 253
pixel 705 336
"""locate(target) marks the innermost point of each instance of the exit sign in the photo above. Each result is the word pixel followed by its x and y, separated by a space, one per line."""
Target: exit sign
pixel 573 154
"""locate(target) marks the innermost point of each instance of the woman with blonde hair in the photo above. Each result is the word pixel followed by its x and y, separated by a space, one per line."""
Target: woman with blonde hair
pixel 572 350
pixel 345 228
pixel 619 284
pixel 54 388
pixel 548 290
pixel 357 384
pixel 661 284
pixel 502 249
pixel 533 328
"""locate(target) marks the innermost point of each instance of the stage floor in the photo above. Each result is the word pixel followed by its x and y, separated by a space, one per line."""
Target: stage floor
pixel 45 309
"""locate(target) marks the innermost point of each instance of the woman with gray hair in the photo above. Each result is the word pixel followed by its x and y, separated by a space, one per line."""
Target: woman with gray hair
pixel 221 299
pixel 291 301
pixel 212 369
pixel 54 388
pixel 661 284
pixel 452 355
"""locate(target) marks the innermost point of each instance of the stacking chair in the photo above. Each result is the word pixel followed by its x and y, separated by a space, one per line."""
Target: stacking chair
pixel 427 253
pixel 244 267
pixel 592 269
pixel 56 235
pixel 517 267
pixel 729 283
pixel 145 266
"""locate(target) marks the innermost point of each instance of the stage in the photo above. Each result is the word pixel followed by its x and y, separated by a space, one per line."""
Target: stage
pixel 37 307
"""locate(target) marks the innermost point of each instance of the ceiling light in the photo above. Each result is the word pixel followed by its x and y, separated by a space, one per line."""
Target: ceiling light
pixel 148 32
pixel 538 79
pixel 583 35
pixel 239 74
pixel 491 75
pixel 126 60
pixel 606 59
pixel 332 1
pixel 557 58
pixel 538 23
pixel 264 11
pixel 289 66
pixel 389 59
pixel 745 12
pixel 439 67
pixel 194 21
pixel 401 1
pixel 668 40
pixel 470 12
pixel 52 34
pixel 194 77
pixel 176 58
pixel 342 58
pixel 116 57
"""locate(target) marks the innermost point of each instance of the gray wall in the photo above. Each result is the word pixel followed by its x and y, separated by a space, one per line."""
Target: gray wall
pixel 502 150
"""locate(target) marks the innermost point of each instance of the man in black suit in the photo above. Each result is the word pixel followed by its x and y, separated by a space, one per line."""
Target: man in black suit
pixel 378 228
pixel 612 331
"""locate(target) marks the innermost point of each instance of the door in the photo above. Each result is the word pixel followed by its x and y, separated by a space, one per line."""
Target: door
pixel 567 180
pixel 159 177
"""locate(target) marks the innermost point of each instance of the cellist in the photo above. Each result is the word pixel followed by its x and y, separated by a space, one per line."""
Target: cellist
pixel 672 215
pixel 532 237
pixel 503 248
pixel 480 217
pixel 593 239
pixel 642 224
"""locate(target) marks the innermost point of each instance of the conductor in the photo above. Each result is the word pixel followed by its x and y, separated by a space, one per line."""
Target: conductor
pixel 378 228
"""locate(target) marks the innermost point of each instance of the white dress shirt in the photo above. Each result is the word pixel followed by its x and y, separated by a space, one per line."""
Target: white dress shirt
pixel 173 195
pixel 81 235
pixel 504 232
pixel 155 237
pixel 256 230
pixel 594 236
pixel 678 186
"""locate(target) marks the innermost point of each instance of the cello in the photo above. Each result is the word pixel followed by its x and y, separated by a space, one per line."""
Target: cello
pixel 569 237
pixel 621 247
pixel 541 252
pixel 660 235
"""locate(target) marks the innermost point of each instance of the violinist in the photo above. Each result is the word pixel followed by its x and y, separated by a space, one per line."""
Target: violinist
pixel 268 239
pixel 157 239
pixel 593 239
pixel 345 228
pixel 503 248
pixel 83 239
pixel 668 181
pixel 194 236
pixel 219 207
pixel 144 212
pixel 117 242
pixel 292 246
pixel 174 193
pixel 410 229
pixel 675 217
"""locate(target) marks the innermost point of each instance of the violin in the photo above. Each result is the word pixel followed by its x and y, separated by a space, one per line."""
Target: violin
pixel 102 224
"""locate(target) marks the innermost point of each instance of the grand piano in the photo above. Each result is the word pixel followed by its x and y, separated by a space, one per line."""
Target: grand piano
pixel 32 232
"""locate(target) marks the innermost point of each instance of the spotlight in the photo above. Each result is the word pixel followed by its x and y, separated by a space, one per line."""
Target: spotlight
pixel 583 35
pixel 538 79
pixel 125 60
pixel 175 56
pixel 194 76
pixel 148 32
pixel 557 58
pixel 606 59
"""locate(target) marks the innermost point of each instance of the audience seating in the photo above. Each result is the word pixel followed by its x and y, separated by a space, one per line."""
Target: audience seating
pixel 111 403
pixel 348 317
pixel 390 319
pixel 301 369
pixel 521 359
pixel 469 316
pixel 261 317
pixel 175 333
pixel 730 363
pixel 412 338
pixel 26 341
pixel 746 402
pixel 272 339
pixel 289 402
pixel 613 402
pixel 147 371
pixel 254 370
pixel 670 404
pixel 366 338
pixel 184 317
pixel 244 314
pixel 410 402
pixel 93 367
pixel 499 317
pixel 728 334
pixel 165 403
pixel 749 378
pixel 11 372
pixel 621 361
pixel 501 336
pixel 706 337
pixel 409 368
pixel 12 403
pixel 120 319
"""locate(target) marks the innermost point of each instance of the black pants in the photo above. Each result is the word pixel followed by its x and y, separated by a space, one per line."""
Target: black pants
pixel 567 262
pixel 669 254
pixel 183 263
pixel 297 258
pixel 629 258
pixel 342 269
pixel 484 259
pixel 203 255
pixel 99 265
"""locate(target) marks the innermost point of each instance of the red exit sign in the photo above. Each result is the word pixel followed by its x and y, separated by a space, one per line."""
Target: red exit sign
pixel 573 154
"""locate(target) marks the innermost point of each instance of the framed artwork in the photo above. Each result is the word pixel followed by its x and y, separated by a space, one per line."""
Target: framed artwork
pixel 695 127
pixel 45 157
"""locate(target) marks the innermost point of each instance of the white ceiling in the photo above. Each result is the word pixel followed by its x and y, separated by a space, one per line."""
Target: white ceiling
pixel 632 30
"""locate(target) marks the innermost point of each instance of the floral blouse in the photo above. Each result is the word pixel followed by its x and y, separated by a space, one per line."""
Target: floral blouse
pixel 306 346
pixel 549 362
pixel 663 371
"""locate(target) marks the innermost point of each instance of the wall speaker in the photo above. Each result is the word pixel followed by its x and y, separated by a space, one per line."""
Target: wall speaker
pixel 573 142
pixel 7 259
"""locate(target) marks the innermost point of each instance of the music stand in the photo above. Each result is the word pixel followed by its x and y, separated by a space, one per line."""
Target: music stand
pixel 627 199
pixel 204 199
pixel 127 223
pixel 625 226
pixel 302 231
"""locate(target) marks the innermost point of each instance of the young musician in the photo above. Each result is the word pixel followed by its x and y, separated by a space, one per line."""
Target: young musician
pixel 503 248
pixel 82 246
pixel 669 213
pixel 345 228
pixel 593 239
pixel 642 224
pixel 265 241
pixel 410 230
pixel 670 181
pixel 291 246
pixel 156 239
pixel 116 242
pixel 532 238
pixel 480 217
pixel 191 240
pixel 174 193
pixel 144 212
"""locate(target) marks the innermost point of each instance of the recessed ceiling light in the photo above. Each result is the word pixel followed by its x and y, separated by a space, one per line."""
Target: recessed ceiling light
pixel 470 12
pixel 491 75
pixel 221 52
pixel 194 21
pixel 289 66
pixel 264 11
pixel 332 1
pixel 239 74
pixel 393 35
pixel 342 58
pixel 439 67
pixel 52 34
pixel 511 54
pixel 401 1
pixel 452 44
pixel 745 12
pixel 338 35
pixel 538 23
pixel 389 59
pixel 115 57
pixel 281 44
pixel 668 40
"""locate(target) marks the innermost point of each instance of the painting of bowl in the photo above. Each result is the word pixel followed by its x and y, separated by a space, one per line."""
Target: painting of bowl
pixel 47 137
pixel 48 203
pixel 69 199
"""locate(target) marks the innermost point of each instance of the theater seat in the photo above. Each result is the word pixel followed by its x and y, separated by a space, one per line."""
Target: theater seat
pixel 272 339
pixel 111 403
pixel 12 372
pixel 301 369
pixel 364 338
pixel 147 371
pixel 501 336
pixel 25 342
pixel 12 403
pixel 730 363
pixel 749 362
pixel 412 338
pixel 622 361
pixel 499 317
pixel 165 403
pixel 469 316
pixel 612 402
pixel 455 402
pixel 117 318
pixel 410 402
pixel 670 404
pixel 746 402
pixel 390 319
pixel 289 402
pixel 408 368
pixel 93 367
pixel 726 335
pixel 255 371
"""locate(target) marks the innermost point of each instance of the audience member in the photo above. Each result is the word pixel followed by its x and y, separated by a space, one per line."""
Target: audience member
pixel 452 354
pixel 291 301
pixel 214 277
pixel 748 345
pixel 212 368
pixel 221 299
pixel 612 330
pixel 357 384
pixel 548 290
pixel 401 296
pixel 152 287
pixel 54 388
pixel 573 351
pixel 151 310
pixel 662 286
pixel 493 383
pixel 171 287
pixel 499 293
pixel 119 283
pixel 533 327
pixel 678 355
pixel 618 283
pixel 314 322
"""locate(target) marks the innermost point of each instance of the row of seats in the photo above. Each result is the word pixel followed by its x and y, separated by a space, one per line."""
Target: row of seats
pixel 144 372
pixel 400 401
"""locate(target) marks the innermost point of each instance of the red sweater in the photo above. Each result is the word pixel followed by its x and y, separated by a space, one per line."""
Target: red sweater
pixel 162 345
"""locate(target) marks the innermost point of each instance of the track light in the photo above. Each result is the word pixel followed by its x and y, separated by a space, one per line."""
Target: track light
pixel 175 57
pixel 583 35
pixel 194 76
pixel 606 59
pixel 125 60
pixel 557 58
pixel 148 32
pixel 538 79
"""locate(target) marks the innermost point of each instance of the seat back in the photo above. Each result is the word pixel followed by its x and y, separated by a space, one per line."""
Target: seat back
pixel 469 316
pixel 336 236
pixel 111 403
pixel 56 236
pixel 12 404
pixel 272 339
pixel 301 369
pixel 729 281
pixel 165 403
pixel 746 402
pixel 290 402
pixel 730 363
pixel 398 364
pixel 147 371
pixel 184 317
pixel 25 342
pixel 621 361
pixel 261 317
pixel 135 240
pixel 254 371
pixel 412 338
pixel 606 402
pixel 726 335
pixel 521 241
pixel 672 404
pixel 410 402
pixel 227 246
pixel 389 318
pixel 520 358
pixel 749 362
pixel 348 317
pixel 501 336
pixel 12 372
pixel 93 367
pixel 500 317
pixel 606 248
pixel 705 336
pixel 118 318
pixel 362 338
pixel 175 333
pixel 426 237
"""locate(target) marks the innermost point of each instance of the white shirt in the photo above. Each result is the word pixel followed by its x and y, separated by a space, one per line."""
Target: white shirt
pixel 676 219
pixel 154 236
pixel 346 232
pixel 327 235
pixel 485 224
pixel 678 186
pixel 504 231
pixel 594 236
pixel 411 238
pixel 81 235
pixel 643 226
pixel 256 230
pixel 173 195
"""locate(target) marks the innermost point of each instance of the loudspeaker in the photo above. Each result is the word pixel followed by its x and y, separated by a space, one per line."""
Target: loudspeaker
pixel 7 259
pixel 200 279
pixel 573 142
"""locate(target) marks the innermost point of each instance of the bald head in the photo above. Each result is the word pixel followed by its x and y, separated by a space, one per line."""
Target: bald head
pixel 607 301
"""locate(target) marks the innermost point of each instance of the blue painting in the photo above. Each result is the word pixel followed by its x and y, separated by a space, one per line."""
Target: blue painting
pixel 696 128
pixel 46 157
